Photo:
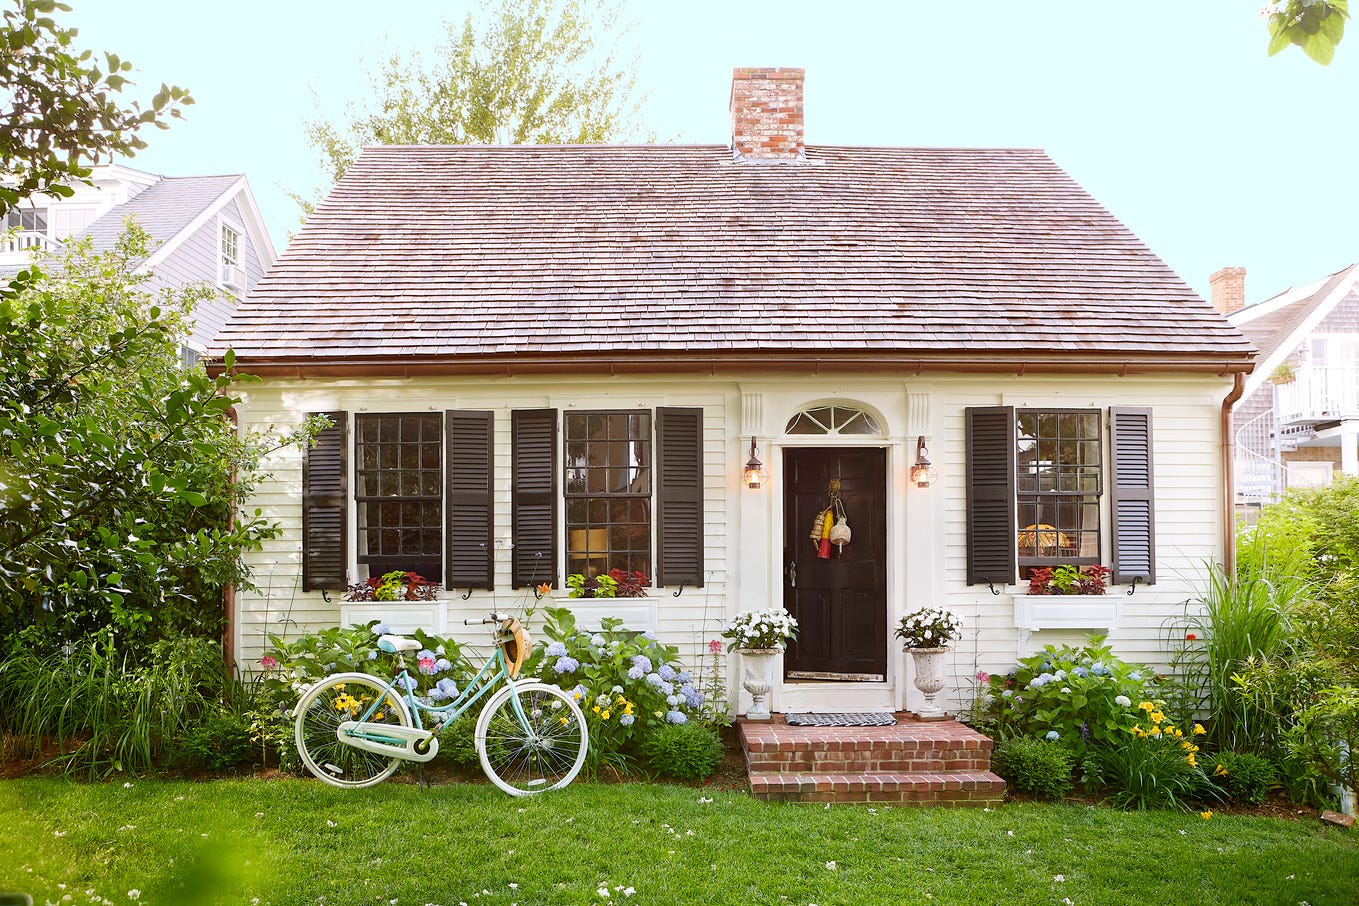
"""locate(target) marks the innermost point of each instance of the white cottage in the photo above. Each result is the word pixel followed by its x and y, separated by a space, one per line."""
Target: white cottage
pixel 553 360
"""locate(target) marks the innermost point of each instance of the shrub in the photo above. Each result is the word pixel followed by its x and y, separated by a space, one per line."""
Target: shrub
pixel 218 742
pixel 684 751
pixel 1154 765
pixel 1245 778
pixel 458 742
pixel 1085 695
pixel 1034 766
pixel 626 682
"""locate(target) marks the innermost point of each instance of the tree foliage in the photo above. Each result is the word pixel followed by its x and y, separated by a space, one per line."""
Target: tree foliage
pixel 60 109
pixel 1316 26
pixel 517 72
pixel 119 469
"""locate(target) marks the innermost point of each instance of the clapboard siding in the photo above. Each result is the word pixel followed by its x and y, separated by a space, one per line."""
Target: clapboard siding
pixel 740 542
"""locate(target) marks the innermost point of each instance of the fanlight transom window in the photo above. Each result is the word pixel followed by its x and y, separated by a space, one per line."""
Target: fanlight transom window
pixel 833 420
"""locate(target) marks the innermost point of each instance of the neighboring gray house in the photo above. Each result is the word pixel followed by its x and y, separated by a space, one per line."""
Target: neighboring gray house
pixel 1297 423
pixel 206 229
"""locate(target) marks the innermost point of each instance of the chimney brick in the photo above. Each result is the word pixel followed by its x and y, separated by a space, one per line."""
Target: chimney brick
pixel 766 113
pixel 1229 289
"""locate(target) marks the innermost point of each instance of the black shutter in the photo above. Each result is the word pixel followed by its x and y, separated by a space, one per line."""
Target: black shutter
pixel 1134 513
pixel 990 495
pixel 533 498
pixel 470 471
pixel 325 485
pixel 679 496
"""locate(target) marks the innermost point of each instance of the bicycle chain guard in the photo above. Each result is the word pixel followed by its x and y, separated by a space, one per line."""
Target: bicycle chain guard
pixel 385 739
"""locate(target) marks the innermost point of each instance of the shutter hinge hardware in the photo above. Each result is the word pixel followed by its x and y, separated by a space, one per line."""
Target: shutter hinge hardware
pixel 995 591
pixel 325 596
pixel 679 591
pixel 1132 588
pixel 468 596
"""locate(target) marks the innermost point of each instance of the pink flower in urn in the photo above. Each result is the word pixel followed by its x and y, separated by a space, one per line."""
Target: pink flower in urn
pixel 983 676
pixel 714 647
pixel 268 663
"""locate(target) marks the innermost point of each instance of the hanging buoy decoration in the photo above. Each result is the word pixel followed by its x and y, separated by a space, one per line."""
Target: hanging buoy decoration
pixel 823 547
pixel 818 524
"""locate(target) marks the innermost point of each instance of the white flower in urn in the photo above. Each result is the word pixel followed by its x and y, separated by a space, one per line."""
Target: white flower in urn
pixel 761 629
pixel 929 627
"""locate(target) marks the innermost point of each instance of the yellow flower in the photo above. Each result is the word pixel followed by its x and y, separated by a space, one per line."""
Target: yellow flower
pixel 1177 732
pixel 1198 730
pixel 1190 758
pixel 1206 815
pixel 1146 706
pixel 627 708
pixel 1157 716
pixel 596 709
pixel 605 715
pixel 381 715
pixel 1220 772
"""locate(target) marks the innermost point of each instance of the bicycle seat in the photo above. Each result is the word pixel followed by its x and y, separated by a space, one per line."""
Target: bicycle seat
pixel 394 643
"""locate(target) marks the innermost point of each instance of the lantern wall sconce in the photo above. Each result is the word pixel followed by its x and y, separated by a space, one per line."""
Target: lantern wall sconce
pixel 754 475
pixel 922 473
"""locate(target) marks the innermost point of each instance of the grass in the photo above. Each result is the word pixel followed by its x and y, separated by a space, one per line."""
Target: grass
pixel 290 841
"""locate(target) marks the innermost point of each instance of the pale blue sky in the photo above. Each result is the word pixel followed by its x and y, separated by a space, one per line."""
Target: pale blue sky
pixel 1170 115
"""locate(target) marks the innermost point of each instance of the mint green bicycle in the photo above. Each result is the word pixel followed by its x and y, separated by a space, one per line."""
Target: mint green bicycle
pixel 354 730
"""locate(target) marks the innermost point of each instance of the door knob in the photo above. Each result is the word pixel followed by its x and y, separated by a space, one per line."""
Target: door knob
pixel 792 573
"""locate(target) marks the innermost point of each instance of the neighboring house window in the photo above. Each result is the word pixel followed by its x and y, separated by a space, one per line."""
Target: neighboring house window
pixel 1035 495
pixel 188 356
pixel 1058 486
pixel 399 493
pixel 231 247
pixel 31 220
pixel 608 492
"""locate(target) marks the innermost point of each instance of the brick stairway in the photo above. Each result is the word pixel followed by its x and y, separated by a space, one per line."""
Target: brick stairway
pixel 916 762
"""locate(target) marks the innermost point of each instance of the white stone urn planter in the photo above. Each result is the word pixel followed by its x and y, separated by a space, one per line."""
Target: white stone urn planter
pixel 758 679
pixel 929 678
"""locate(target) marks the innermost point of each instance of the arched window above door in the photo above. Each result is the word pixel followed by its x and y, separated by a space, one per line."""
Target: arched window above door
pixel 833 420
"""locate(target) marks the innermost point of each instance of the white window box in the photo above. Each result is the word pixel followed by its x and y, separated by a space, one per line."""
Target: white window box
pixel 636 613
pixel 431 616
pixel 1066 611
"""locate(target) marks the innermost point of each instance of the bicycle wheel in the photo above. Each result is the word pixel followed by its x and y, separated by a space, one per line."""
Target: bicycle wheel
pixel 544 751
pixel 335 699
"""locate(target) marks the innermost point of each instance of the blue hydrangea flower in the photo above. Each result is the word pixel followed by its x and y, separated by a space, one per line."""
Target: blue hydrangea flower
pixel 372 655
pixel 1007 693
pixel 579 692
pixel 406 682
pixel 649 635
pixel 424 654
pixel 667 672
pixel 597 640
pixel 684 677
pixel 635 673
pixel 1052 736
pixel 652 678
pixel 1100 670
pixel 626 720
pixel 447 687
pixel 672 700
pixel 556 649
pixel 435 695
pixel 1040 680
pixel 1060 674
pixel 382 629
pixel 443 665
pixel 1135 676
pixel 1081 672
pixel 666 688
pixel 566 665
pixel 675 717
pixel 1123 701
pixel 692 697
pixel 642 661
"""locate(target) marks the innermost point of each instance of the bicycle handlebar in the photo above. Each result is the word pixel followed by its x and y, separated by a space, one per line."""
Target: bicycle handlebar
pixel 493 617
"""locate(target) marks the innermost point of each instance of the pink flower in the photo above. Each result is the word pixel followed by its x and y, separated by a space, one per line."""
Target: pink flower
pixel 714 647
pixel 426 664
pixel 268 663
pixel 983 676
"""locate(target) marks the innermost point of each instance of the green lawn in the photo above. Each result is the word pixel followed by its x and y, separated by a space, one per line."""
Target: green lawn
pixel 289 841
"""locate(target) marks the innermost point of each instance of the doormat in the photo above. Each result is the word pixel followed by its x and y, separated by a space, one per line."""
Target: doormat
pixel 865 719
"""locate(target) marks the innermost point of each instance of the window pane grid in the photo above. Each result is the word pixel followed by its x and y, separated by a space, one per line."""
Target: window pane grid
pixel 608 492
pixel 399 484
pixel 1059 482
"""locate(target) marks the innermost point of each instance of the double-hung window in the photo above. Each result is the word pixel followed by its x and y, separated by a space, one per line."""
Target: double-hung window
pixel 399 492
pixel 608 492
pixel 1037 496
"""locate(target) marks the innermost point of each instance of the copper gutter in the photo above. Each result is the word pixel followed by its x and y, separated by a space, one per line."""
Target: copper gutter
pixel 520 364
pixel 1228 476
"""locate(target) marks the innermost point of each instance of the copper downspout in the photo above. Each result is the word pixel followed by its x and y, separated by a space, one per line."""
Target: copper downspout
pixel 1228 476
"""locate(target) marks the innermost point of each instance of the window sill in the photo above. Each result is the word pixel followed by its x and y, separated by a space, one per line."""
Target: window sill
pixel 1066 611
pixel 431 616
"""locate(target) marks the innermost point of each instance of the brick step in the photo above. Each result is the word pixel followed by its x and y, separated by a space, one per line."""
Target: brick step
pixel 873 760
pixel 906 747
pixel 949 788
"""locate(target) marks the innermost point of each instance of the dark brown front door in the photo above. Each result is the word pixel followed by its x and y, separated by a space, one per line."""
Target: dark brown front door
pixel 840 603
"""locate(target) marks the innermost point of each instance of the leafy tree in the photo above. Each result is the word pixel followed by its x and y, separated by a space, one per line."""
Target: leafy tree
pixel 119 469
pixel 59 108
pixel 1314 25
pixel 518 72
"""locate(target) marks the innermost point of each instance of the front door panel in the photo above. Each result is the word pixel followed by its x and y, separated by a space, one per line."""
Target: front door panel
pixel 840 603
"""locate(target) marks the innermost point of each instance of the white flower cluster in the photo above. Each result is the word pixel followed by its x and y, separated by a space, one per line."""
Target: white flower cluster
pixel 929 627
pixel 761 629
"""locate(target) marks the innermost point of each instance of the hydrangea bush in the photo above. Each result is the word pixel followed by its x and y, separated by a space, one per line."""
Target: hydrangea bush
pixel 1084 695
pixel 761 629
pixel 929 627
pixel 625 681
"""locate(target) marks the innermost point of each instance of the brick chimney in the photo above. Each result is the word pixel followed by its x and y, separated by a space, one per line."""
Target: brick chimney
pixel 766 114
pixel 1229 289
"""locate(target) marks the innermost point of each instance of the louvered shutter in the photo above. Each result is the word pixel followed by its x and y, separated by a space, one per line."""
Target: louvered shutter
pixel 1134 515
pixel 990 494
pixel 325 485
pixel 533 498
pixel 470 458
pixel 679 496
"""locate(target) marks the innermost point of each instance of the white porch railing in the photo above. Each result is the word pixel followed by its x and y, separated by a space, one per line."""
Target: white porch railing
pixel 1260 476
pixel 22 241
pixel 1317 394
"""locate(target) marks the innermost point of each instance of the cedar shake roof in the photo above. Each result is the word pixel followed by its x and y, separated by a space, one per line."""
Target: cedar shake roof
pixel 1275 329
pixel 469 254
pixel 162 209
